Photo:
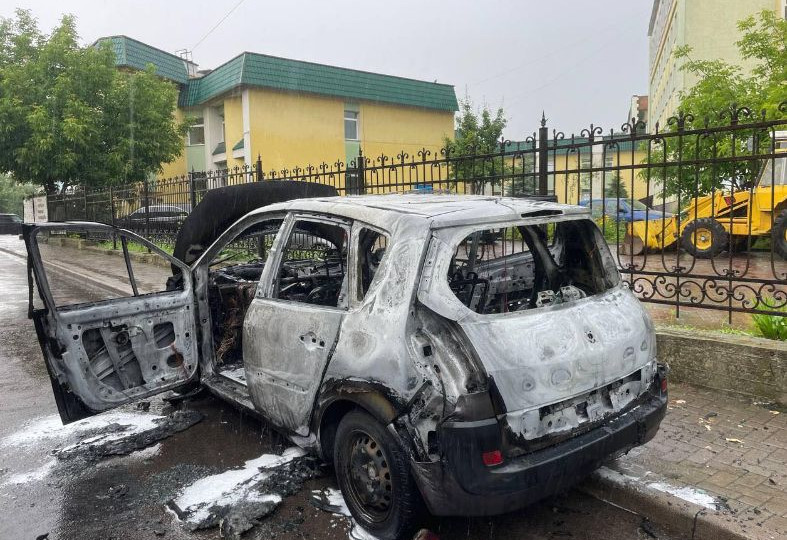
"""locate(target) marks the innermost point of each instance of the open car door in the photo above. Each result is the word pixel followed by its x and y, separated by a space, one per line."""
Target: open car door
pixel 110 330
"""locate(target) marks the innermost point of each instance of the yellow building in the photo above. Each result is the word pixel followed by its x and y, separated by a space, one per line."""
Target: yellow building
pixel 709 27
pixel 293 113
pixel 577 169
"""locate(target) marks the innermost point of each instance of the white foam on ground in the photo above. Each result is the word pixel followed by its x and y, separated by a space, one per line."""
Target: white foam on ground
pixel 231 487
pixel 335 498
pixel 689 494
pixel 50 428
pixel 31 476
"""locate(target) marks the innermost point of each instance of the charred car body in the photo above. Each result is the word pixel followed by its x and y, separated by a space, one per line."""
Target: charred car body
pixel 476 353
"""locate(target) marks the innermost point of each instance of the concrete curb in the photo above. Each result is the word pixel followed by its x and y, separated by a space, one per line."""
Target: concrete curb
pixel 675 515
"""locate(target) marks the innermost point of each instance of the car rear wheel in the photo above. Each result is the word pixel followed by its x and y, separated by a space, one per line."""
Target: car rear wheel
pixel 704 238
pixel 373 472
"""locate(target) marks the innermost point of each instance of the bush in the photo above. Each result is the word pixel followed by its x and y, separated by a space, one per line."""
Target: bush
pixel 771 326
pixel 614 230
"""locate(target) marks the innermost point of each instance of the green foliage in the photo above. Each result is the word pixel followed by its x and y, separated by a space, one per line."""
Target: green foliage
pixel 615 188
pixel 134 247
pixel 614 230
pixel 709 102
pixel 477 134
pixel 771 326
pixel 12 194
pixel 69 116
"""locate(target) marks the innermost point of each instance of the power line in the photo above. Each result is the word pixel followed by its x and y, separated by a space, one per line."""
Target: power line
pixel 236 6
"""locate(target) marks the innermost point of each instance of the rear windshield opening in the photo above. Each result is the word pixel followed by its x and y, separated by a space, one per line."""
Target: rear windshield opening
pixel 530 266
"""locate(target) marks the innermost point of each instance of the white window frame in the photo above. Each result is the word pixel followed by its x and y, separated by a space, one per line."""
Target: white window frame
pixel 188 133
pixel 355 117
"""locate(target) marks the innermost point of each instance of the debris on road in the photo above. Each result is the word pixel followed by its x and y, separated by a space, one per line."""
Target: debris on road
pixel 236 500
pixel 123 432
pixel 117 439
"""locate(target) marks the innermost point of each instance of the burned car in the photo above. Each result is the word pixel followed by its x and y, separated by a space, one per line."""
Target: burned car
pixel 474 353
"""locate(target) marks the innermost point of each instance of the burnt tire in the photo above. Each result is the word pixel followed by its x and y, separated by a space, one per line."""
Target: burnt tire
pixel 373 472
pixel 704 238
pixel 779 235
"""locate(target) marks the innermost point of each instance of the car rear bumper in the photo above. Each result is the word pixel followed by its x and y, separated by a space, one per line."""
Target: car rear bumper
pixel 461 484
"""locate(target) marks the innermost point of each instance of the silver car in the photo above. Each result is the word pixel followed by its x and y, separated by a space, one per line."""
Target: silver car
pixel 474 353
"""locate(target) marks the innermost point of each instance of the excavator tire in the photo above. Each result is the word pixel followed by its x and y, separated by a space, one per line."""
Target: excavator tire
pixel 779 234
pixel 704 238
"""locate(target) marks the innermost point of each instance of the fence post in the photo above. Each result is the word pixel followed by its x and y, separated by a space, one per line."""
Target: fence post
pixel 543 157
pixel 259 168
pixel 146 194
pixel 360 181
pixel 112 217
pixel 192 191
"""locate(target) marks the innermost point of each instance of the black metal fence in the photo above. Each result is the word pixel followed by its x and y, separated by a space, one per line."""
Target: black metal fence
pixel 695 212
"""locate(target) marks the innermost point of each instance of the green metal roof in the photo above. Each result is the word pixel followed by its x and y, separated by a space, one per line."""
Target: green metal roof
pixel 260 70
pixel 251 69
pixel 619 142
pixel 238 145
pixel 135 54
pixel 221 148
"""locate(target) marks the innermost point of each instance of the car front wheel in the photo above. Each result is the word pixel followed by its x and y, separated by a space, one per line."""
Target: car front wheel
pixel 373 472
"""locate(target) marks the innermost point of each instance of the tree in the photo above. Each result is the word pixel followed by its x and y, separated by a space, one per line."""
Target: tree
pixel 475 150
pixel 69 116
pixel 722 95
pixel 615 188
pixel 12 195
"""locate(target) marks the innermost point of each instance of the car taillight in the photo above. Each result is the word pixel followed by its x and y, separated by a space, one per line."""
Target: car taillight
pixel 490 459
pixel 664 384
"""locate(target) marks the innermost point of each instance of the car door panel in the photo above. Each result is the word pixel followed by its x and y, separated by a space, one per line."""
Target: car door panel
pixel 287 344
pixel 104 354
pixel 286 348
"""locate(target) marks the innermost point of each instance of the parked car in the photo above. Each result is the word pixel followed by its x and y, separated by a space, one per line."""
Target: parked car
pixel 160 216
pixel 422 367
pixel 10 224
pixel 623 210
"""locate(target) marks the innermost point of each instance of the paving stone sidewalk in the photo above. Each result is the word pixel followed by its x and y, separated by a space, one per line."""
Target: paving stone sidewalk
pixel 727 446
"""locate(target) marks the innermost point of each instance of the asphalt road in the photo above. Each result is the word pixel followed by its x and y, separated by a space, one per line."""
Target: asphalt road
pixel 125 497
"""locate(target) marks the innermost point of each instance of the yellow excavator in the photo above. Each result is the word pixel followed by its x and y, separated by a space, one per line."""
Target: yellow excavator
pixel 725 219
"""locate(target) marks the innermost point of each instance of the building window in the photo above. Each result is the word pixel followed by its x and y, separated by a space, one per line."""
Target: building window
pixel 196 132
pixel 351 125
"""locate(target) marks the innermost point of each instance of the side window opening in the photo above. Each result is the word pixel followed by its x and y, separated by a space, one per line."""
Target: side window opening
pixel 531 266
pixel 371 250
pixel 234 273
pixel 126 267
pixel 314 265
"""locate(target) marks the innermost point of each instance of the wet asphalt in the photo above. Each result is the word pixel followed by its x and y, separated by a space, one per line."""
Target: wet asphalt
pixel 124 497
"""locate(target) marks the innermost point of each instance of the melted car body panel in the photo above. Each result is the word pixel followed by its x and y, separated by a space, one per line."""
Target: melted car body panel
pixel 457 354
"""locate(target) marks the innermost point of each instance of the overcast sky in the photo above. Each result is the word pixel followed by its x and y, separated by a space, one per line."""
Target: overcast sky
pixel 578 60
